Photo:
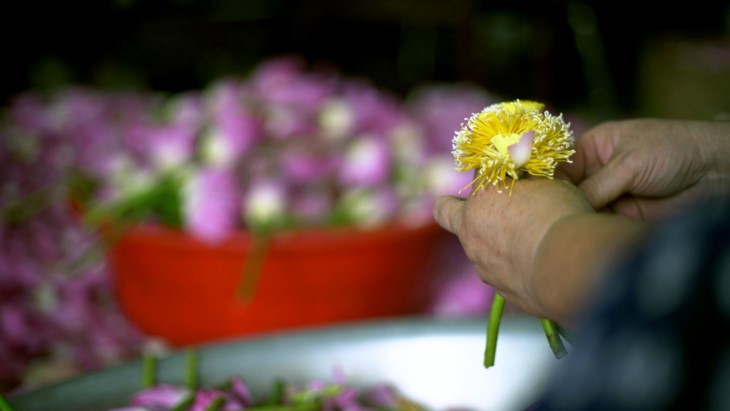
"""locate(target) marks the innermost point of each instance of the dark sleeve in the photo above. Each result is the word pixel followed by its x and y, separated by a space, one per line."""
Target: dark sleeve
pixel 657 336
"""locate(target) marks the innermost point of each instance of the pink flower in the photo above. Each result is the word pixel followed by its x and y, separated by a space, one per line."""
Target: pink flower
pixel 161 397
pixel 240 391
pixel 171 146
pixel 313 205
pixel 266 202
pixel 233 128
pixel 290 97
pixel 212 203
pixel 440 177
pixel 375 111
pixel 308 161
pixel 440 109
pixel 462 295
pixel 284 81
pixel 367 162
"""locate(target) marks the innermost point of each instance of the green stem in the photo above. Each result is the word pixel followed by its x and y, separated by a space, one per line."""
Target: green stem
pixel 148 370
pixel 185 404
pixel 4 405
pixel 191 369
pixel 216 404
pixel 277 407
pixel 553 337
pixel 253 265
pixel 495 317
pixel 277 392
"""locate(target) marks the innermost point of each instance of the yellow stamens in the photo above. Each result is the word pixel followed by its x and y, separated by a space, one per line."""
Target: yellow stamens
pixel 483 143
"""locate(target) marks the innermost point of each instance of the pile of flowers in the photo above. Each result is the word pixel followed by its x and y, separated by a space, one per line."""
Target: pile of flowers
pixel 335 393
pixel 284 147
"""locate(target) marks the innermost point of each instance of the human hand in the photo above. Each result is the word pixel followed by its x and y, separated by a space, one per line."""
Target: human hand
pixel 649 169
pixel 502 234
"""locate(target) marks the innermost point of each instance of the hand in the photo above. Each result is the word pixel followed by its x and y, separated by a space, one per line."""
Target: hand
pixel 502 233
pixel 650 169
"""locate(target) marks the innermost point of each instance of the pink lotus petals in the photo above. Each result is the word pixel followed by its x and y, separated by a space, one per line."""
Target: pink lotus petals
pixel 313 205
pixel 439 109
pixel 233 129
pixel 171 146
pixel 240 391
pixel 308 162
pixel 161 397
pixel 287 145
pixel 336 395
pixel 367 162
pixel 462 295
pixel 520 152
pixel 212 204
pixel 265 203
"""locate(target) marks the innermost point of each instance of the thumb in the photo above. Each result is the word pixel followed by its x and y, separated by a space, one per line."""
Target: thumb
pixel 448 211
pixel 605 186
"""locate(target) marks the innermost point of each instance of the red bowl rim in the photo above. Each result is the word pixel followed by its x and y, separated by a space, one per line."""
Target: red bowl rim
pixel 294 239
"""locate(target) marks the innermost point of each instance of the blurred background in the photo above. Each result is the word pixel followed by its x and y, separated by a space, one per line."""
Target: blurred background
pixel 609 57
pixel 590 60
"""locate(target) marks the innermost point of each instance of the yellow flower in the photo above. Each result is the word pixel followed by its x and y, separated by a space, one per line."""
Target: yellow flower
pixel 508 139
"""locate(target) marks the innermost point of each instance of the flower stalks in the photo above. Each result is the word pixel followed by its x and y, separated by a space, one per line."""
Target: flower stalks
pixel 260 241
pixel 553 337
pixel 149 364
pixel 191 369
pixel 495 318
pixel 4 405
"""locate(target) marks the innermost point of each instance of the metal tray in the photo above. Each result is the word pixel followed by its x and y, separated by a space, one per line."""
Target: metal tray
pixel 436 362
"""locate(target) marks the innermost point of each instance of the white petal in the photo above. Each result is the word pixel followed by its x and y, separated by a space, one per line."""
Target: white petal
pixel 520 152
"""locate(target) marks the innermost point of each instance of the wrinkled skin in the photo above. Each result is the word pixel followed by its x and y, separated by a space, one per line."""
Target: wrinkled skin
pixel 537 246
pixel 650 169
pixel 501 233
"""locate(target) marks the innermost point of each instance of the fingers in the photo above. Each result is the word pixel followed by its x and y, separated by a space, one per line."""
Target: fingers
pixel 591 153
pixel 575 171
pixel 605 186
pixel 448 211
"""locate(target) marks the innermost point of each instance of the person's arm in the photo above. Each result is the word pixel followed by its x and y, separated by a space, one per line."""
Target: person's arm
pixel 572 258
pixel 541 246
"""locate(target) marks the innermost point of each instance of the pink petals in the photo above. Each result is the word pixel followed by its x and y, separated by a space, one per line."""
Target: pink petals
pixel 212 204
pixel 520 152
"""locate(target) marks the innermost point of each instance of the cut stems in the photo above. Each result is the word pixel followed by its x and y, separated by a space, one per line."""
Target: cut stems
pixel 4 405
pixel 495 318
pixel 253 265
pixel 553 337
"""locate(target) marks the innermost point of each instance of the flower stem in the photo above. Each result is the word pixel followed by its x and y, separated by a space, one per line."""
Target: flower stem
pixel 216 404
pixel 191 369
pixel 253 265
pixel 185 403
pixel 553 337
pixel 4 405
pixel 148 370
pixel 495 317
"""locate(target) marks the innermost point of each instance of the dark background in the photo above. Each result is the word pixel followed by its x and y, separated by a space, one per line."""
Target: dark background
pixel 517 49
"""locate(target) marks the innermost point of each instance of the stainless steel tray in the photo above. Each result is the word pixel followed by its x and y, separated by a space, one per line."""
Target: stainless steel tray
pixel 435 362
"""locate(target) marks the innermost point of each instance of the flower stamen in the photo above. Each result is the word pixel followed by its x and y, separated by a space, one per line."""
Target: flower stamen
pixel 507 139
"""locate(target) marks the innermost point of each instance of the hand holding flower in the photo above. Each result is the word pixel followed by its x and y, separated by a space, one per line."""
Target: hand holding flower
pixel 502 234
pixel 650 169
pixel 535 245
